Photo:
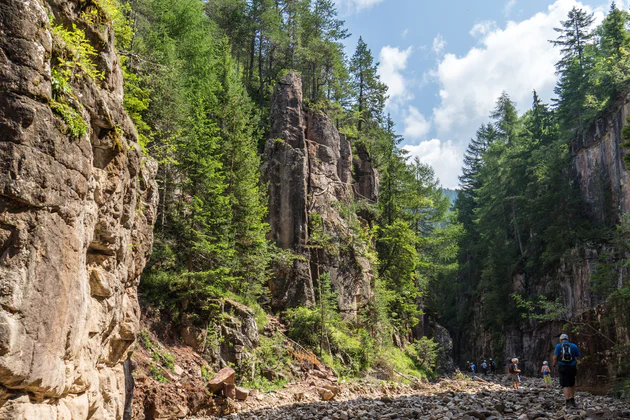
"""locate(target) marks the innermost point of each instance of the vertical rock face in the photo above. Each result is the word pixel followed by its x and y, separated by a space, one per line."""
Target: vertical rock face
pixel 309 169
pixel 598 161
pixel 286 169
pixel 366 176
pixel 76 219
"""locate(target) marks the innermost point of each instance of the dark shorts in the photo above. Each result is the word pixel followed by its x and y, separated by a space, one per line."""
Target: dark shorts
pixel 567 375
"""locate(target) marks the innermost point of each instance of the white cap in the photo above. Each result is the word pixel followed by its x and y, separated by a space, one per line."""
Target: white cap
pixel 564 337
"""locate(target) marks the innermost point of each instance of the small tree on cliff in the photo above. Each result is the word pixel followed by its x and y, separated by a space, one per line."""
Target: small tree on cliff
pixel 370 92
pixel 574 66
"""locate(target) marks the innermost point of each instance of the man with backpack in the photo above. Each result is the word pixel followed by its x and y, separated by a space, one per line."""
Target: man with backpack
pixel 484 368
pixel 493 366
pixel 565 357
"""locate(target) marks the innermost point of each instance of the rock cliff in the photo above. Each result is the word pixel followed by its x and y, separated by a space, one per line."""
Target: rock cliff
pixel 309 168
pixel 76 214
pixel 598 162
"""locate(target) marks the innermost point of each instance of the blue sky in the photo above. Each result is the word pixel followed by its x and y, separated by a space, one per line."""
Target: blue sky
pixel 447 61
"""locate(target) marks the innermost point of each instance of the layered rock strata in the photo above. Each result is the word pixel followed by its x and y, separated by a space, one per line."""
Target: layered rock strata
pixel 76 215
pixel 308 165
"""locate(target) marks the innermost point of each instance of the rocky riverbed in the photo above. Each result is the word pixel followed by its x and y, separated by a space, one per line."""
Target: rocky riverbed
pixel 446 399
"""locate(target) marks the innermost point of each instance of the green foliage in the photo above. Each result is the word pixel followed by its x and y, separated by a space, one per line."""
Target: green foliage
pixel 340 345
pixel 424 352
pixel 157 373
pixel 72 60
pixel 74 54
pixel 370 91
pixel 272 355
pixel 541 309
pixel 397 249
pixel 75 124
pixel 204 133
pixel 161 358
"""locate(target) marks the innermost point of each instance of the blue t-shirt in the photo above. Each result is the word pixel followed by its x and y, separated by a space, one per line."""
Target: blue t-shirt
pixel 574 350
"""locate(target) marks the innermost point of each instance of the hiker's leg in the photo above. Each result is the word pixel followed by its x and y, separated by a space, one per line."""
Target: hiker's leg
pixel 567 393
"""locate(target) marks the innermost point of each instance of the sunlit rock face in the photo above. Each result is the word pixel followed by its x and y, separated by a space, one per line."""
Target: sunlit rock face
pixel 309 169
pixel 76 215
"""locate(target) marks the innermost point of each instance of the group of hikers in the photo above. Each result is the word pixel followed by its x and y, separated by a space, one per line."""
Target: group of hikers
pixel 485 367
pixel 565 357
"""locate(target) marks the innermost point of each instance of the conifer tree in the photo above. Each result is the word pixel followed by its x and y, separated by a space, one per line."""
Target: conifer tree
pixel 369 91
pixel 574 36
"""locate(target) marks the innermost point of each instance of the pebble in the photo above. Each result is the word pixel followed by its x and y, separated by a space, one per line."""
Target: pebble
pixel 495 401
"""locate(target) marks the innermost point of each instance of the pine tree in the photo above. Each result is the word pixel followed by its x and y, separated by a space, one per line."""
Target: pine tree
pixel 614 36
pixel 369 91
pixel 506 118
pixel 575 35
pixel 237 121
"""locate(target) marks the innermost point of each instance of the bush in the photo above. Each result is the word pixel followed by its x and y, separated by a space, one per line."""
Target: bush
pixel 348 350
pixel 424 353
pixel 271 355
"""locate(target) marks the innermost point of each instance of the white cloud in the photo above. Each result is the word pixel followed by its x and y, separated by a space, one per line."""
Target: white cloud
pixel 515 59
pixel 438 44
pixel 444 157
pixel 508 7
pixel 392 62
pixel 354 6
pixel 416 125
pixel 482 28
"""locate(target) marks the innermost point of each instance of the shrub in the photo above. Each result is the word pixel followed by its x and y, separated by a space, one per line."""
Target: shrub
pixel 424 352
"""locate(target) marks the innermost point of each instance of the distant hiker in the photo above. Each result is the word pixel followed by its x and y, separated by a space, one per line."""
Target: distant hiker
pixel 546 373
pixel 473 367
pixel 484 368
pixel 514 371
pixel 493 366
pixel 565 356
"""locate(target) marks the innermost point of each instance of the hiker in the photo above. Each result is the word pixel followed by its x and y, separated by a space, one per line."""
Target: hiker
pixel 514 371
pixel 484 368
pixel 493 366
pixel 546 373
pixel 565 356
pixel 473 367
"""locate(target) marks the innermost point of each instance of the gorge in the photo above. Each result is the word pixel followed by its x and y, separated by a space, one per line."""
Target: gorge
pixel 205 208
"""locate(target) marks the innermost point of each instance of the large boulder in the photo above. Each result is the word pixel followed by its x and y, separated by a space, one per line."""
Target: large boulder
pixel 76 215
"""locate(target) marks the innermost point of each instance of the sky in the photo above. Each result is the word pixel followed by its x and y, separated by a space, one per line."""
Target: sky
pixel 447 61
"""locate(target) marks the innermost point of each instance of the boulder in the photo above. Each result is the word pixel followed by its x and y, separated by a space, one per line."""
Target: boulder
pixel 325 394
pixel 224 376
pixel 332 388
pixel 229 390
pixel 241 393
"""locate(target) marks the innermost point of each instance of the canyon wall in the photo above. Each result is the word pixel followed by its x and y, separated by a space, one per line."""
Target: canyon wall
pixel 604 184
pixel 309 168
pixel 76 215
